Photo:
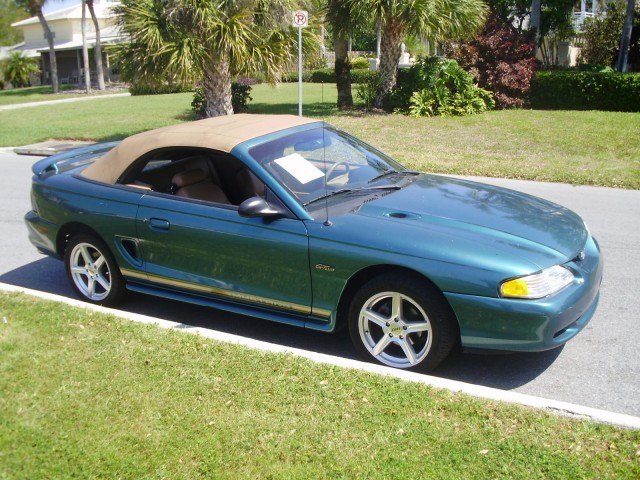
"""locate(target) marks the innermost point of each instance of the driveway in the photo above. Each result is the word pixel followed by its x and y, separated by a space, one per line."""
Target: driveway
pixel 600 368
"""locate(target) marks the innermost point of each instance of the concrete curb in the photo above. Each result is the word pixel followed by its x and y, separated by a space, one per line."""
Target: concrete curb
pixel 550 406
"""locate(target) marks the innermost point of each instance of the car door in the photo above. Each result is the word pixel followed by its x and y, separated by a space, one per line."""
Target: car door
pixel 209 249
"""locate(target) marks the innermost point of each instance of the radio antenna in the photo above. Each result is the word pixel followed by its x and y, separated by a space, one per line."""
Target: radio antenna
pixel 327 222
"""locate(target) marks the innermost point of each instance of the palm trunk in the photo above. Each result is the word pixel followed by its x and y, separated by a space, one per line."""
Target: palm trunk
pixel 217 87
pixel 85 51
pixel 390 50
pixel 98 49
pixel 343 71
pixel 53 65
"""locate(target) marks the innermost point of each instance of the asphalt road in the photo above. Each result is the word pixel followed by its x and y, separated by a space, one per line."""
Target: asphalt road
pixel 600 368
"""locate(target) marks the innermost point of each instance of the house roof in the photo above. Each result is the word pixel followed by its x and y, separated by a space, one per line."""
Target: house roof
pixel 217 133
pixel 102 9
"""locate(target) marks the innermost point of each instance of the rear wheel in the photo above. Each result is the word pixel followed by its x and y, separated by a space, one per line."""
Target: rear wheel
pixel 400 321
pixel 93 272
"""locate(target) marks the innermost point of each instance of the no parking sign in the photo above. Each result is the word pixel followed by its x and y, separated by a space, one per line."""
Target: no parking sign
pixel 300 18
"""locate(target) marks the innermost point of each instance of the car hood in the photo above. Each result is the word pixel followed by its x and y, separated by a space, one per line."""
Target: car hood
pixel 504 218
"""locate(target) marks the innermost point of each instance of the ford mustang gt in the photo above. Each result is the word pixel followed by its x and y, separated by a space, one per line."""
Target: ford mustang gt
pixel 292 220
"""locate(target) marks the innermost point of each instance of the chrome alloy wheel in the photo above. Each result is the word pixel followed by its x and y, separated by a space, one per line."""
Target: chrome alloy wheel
pixel 395 329
pixel 90 272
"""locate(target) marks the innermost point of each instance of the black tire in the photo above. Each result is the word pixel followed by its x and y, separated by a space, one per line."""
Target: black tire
pixel 93 272
pixel 401 321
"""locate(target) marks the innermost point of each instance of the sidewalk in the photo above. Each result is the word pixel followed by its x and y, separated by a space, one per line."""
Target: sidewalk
pixel 61 100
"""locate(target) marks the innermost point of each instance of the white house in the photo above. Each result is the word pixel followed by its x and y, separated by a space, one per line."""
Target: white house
pixel 66 26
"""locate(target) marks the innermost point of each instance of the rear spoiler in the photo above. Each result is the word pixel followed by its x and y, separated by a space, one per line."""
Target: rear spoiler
pixel 71 158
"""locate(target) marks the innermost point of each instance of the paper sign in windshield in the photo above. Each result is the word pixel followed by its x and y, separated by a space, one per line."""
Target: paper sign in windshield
pixel 300 168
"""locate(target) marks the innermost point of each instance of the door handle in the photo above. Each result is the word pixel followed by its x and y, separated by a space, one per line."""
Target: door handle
pixel 159 224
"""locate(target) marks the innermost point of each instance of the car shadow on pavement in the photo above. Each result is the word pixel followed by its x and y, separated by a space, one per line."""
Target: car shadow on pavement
pixel 503 371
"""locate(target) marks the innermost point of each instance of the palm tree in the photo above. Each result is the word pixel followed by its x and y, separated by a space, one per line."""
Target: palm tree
pixel 207 41
pixel 98 47
pixel 434 19
pixel 34 7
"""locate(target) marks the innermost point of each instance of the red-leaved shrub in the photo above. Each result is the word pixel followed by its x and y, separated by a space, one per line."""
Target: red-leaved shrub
pixel 501 59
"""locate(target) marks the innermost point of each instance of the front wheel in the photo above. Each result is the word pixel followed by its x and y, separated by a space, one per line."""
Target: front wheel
pixel 93 272
pixel 400 321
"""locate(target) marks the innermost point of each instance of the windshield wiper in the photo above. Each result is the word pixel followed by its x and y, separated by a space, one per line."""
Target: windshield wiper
pixel 353 190
pixel 393 172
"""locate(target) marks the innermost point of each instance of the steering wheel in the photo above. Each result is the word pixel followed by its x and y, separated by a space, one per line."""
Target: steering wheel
pixel 333 167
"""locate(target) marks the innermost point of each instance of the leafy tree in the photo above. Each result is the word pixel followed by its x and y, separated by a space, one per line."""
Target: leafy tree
pixel 434 19
pixel 10 13
pixel 602 36
pixel 34 7
pixel 501 59
pixel 186 41
pixel 18 68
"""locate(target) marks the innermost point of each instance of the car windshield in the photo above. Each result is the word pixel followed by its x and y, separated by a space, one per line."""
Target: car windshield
pixel 321 162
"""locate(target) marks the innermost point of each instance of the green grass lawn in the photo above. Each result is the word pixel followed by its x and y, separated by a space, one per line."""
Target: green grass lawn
pixel 592 148
pixel 86 395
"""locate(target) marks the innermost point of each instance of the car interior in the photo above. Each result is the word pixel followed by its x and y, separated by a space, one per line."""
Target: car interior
pixel 195 174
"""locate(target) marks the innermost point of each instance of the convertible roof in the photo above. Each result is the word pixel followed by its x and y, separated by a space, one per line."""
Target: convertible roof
pixel 217 133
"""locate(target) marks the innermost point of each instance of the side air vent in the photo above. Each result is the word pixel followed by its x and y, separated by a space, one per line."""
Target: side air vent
pixel 129 249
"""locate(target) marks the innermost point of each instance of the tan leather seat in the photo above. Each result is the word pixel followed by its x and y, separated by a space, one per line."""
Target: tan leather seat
pixel 195 183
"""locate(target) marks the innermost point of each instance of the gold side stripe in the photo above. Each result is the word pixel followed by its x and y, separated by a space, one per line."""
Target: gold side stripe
pixel 245 297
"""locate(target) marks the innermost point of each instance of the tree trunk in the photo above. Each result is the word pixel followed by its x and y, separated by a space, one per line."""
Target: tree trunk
pixel 534 23
pixel 53 65
pixel 217 87
pixel 343 71
pixel 85 51
pixel 390 50
pixel 98 49
pixel 625 39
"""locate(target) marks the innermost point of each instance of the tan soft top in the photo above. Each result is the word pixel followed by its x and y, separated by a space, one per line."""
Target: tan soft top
pixel 218 133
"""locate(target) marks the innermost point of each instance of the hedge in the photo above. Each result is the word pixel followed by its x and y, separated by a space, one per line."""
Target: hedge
pixel 328 75
pixel 575 90
pixel 163 89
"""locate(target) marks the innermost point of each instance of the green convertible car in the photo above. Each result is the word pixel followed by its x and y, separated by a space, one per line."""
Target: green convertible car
pixel 289 219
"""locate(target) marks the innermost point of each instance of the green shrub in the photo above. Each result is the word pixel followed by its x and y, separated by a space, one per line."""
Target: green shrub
pixel 437 86
pixel 368 89
pixel 577 90
pixel 17 68
pixel 359 63
pixel 240 97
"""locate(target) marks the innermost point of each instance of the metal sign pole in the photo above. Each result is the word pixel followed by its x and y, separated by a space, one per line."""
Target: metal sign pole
pixel 300 20
pixel 299 71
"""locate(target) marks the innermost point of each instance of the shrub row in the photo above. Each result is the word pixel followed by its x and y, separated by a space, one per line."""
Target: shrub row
pixel 328 75
pixel 162 89
pixel 575 90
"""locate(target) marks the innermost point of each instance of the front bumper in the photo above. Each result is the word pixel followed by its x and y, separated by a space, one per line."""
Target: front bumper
pixel 532 325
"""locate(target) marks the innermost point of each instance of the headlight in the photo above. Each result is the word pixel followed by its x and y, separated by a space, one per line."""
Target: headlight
pixel 538 285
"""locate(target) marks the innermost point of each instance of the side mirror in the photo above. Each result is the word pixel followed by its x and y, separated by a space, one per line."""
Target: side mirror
pixel 258 207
